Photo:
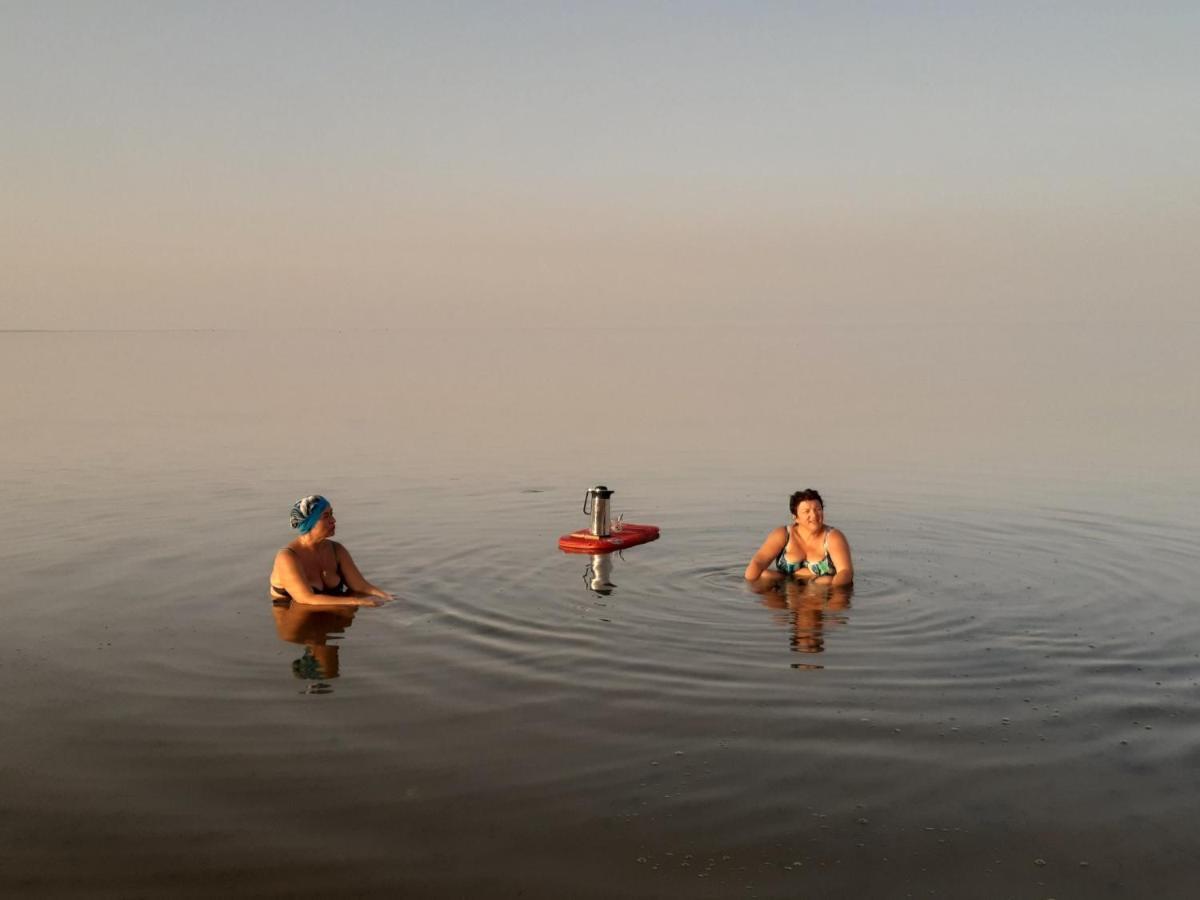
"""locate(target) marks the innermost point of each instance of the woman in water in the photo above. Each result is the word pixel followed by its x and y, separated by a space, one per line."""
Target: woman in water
pixel 313 569
pixel 806 548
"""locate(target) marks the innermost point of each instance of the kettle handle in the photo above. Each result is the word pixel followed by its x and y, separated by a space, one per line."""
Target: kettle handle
pixel 587 495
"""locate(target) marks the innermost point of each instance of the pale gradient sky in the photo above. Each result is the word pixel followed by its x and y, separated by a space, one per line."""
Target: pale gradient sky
pixel 357 165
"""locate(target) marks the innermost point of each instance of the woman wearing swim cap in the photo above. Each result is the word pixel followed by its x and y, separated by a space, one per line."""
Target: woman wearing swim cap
pixel 315 570
pixel 805 548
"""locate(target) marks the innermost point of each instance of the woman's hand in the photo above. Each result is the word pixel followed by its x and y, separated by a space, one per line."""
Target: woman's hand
pixel 360 600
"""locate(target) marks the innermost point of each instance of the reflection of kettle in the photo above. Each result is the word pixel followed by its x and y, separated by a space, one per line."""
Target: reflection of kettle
pixel 598 498
pixel 598 574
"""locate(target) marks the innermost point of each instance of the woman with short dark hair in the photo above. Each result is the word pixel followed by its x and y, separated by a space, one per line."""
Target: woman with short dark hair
pixel 805 548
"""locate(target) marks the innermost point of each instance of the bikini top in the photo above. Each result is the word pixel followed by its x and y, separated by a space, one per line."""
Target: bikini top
pixel 823 566
pixel 341 587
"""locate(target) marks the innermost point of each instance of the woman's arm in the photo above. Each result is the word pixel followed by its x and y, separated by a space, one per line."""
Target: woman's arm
pixel 291 579
pixel 839 555
pixel 767 553
pixel 354 578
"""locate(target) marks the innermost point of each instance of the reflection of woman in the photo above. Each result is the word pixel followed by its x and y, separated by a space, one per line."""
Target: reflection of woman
pixel 811 608
pixel 313 569
pixel 806 548
pixel 313 626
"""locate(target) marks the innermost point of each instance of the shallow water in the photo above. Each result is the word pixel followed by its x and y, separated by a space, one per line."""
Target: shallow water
pixel 1005 705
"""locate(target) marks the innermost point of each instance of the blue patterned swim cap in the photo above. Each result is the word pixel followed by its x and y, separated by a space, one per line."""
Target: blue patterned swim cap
pixel 306 512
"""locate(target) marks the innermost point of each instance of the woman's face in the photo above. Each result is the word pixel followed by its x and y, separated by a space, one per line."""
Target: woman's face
pixel 810 514
pixel 326 525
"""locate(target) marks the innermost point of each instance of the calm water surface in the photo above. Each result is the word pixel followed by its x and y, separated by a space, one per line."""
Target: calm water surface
pixel 1006 705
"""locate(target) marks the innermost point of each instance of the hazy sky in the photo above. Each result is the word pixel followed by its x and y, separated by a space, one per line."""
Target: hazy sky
pixel 317 165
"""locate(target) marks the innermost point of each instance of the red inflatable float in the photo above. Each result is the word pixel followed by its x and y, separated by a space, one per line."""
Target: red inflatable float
pixel 583 541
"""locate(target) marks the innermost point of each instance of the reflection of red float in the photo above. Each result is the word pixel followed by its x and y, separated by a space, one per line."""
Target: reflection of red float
pixel 602 537
pixel 583 541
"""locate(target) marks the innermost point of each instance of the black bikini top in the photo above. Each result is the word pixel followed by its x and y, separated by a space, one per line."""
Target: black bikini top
pixel 340 588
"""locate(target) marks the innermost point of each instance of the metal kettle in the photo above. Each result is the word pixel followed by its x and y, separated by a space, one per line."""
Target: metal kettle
pixel 597 498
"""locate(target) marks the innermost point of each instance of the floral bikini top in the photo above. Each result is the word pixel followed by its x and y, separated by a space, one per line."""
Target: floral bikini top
pixel 823 566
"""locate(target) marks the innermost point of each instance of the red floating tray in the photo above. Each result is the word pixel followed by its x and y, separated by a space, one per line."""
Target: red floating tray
pixel 583 541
